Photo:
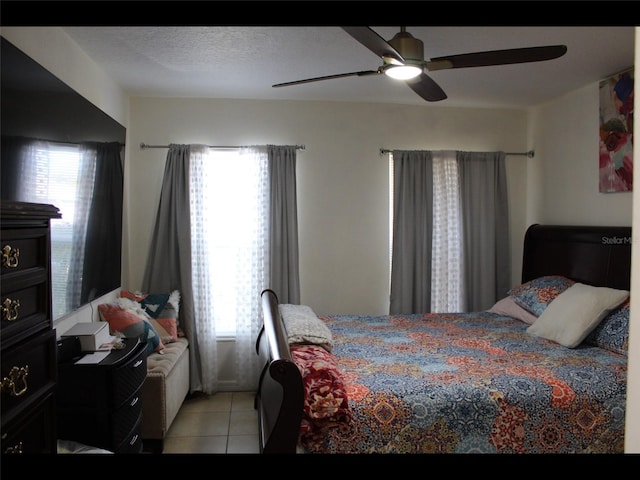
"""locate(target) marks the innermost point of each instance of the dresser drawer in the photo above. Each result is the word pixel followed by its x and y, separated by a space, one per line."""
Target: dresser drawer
pixel 128 378
pixel 133 442
pixel 25 305
pixel 99 427
pixel 105 385
pixel 125 418
pixel 25 281
pixel 32 431
pixel 28 371
pixel 24 248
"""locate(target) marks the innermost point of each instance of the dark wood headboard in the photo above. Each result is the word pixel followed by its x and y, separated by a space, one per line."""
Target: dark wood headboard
pixel 599 256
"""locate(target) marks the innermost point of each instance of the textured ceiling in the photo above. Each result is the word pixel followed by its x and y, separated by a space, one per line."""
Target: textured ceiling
pixel 244 62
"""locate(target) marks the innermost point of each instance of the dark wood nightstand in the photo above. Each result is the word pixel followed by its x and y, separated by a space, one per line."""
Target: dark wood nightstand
pixel 100 404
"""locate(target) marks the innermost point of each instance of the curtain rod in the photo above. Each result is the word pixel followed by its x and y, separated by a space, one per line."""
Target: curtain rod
pixel 144 145
pixel 529 154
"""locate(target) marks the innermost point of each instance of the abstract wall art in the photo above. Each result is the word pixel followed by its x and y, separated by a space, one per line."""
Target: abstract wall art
pixel 616 133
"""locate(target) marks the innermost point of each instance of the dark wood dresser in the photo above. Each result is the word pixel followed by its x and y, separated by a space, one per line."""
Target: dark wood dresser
pixel 27 339
pixel 100 404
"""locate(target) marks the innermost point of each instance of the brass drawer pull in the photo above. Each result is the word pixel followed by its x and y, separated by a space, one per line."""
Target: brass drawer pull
pixel 16 375
pixel 19 448
pixel 10 309
pixel 10 256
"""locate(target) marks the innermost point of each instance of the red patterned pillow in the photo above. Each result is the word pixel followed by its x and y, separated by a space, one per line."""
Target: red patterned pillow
pixel 325 396
pixel 128 319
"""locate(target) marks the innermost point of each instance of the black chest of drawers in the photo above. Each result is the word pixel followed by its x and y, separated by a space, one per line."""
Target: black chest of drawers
pixel 27 338
pixel 100 404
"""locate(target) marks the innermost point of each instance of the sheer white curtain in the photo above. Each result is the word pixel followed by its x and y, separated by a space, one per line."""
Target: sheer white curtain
pixel 200 267
pixel 447 253
pixel 229 228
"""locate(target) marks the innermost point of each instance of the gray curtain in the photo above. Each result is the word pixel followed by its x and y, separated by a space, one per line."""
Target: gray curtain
pixel 169 262
pixel 284 278
pixel 412 228
pixel 12 153
pixel 104 228
pixel 485 217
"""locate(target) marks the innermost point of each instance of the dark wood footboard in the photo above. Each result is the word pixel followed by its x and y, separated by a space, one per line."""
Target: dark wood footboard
pixel 279 399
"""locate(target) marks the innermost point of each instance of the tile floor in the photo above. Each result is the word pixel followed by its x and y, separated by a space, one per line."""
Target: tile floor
pixel 225 422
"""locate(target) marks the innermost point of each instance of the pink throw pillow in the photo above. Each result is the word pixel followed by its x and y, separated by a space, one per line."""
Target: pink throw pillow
pixel 507 306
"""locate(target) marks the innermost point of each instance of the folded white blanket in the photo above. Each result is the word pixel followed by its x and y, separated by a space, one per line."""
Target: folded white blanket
pixel 304 327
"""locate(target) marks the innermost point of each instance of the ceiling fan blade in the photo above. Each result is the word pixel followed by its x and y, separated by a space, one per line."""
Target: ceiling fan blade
pixel 497 57
pixel 428 89
pixel 362 73
pixel 375 43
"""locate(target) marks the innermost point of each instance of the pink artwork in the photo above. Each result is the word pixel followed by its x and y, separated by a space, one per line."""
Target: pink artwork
pixel 616 133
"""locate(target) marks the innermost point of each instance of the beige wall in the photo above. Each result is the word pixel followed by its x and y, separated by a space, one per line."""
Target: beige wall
pixel 564 187
pixel 343 194
pixel 342 179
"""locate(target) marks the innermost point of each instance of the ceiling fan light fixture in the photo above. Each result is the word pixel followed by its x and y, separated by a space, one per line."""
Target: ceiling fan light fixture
pixel 403 72
pixel 403 58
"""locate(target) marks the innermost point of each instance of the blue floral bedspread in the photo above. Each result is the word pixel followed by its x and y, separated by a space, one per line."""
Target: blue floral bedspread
pixel 470 383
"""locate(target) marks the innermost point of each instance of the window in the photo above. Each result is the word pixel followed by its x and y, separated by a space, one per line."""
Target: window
pixel 53 176
pixel 84 181
pixel 229 212
pixel 63 183
pixel 237 200
pixel 446 233
pixel 451 231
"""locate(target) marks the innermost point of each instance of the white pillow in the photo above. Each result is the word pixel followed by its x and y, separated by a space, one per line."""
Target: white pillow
pixel 573 314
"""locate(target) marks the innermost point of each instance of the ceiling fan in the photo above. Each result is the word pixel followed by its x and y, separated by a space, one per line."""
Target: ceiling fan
pixel 403 58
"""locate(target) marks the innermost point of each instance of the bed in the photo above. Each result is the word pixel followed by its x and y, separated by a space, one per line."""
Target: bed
pixel 542 371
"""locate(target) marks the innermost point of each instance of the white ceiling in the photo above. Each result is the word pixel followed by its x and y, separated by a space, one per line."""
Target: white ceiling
pixel 244 62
